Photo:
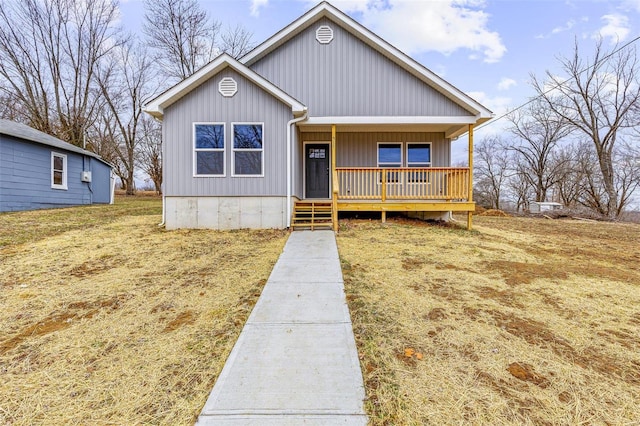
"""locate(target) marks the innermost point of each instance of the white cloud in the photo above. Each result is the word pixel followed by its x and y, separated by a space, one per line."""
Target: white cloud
pixel 631 4
pixel 570 24
pixel 498 104
pixel 443 26
pixel 256 5
pixel 506 83
pixel 616 28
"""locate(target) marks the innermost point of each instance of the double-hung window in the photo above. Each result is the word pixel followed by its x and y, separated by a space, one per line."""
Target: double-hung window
pixel 418 156
pixel 58 171
pixel 208 153
pixel 248 149
pixel 390 155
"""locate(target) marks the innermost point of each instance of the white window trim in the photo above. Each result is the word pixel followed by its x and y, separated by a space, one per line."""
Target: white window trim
pixel 428 179
pixel 400 165
pixel 234 150
pixel 390 143
pixel 196 150
pixel 64 171
pixel 418 143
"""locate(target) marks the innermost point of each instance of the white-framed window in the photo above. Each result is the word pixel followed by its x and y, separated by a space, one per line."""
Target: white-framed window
pixel 58 171
pixel 418 156
pixel 208 149
pixel 248 149
pixel 390 155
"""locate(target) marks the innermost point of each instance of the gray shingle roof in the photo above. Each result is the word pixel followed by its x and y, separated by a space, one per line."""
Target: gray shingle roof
pixel 22 131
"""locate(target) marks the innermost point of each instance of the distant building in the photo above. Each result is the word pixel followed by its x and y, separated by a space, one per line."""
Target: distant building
pixel 38 171
pixel 544 206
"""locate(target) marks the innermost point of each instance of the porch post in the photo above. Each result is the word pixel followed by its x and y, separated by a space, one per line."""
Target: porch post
pixel 470 186
pixel 334 179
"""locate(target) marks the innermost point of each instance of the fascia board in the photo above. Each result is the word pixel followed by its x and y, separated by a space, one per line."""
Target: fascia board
pixel 157 105
pixel 285 34
pixel 392 120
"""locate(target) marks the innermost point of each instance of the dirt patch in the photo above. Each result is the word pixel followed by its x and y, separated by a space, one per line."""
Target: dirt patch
pixel 62 320
pixel 443 288
pixel 436 314
pixel 536 333
pixel 413 263
pixel 626 338
pixel 516 273
pixel 526 373
pixel 93 266
pixel 494 213
pixel 184 318
pixel 504 297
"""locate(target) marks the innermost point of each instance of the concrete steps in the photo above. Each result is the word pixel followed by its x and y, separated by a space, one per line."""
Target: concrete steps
pixel 312 215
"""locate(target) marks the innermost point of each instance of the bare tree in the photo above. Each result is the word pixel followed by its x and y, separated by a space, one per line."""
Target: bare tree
pixel 627 163
pixel 571 174
pixel 49 51
pixel 181 34
pixel 10 108
pixel 539 129
pixel 126 84
pixel 237 41
pixel 491 170
pixel 150 151
pixel 519 184
pixel 600 100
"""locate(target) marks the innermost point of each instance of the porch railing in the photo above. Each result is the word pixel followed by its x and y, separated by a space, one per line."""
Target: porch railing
pixel 430 183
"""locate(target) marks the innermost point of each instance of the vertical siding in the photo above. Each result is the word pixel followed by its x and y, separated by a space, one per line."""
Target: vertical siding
pixel 361 149
pixel 348 78
pixel 206 104
pixel 25 177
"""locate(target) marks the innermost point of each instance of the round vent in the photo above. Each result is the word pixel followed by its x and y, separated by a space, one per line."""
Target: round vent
pixel 227 87
pixel 324 34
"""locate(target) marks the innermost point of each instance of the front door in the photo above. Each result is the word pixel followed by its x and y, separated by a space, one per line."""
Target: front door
pixel 317 170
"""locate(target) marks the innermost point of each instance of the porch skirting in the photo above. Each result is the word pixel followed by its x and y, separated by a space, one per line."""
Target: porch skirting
pixel 225 212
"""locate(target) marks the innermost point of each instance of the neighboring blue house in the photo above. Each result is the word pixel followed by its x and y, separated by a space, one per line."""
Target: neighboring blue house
pixel 38 171
pixel 323 117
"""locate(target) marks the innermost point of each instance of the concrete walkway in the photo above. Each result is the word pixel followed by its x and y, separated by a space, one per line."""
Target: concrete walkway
pixel 295 361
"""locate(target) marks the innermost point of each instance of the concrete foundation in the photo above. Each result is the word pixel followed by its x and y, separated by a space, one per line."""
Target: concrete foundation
pixel 444 216
pixel 225 212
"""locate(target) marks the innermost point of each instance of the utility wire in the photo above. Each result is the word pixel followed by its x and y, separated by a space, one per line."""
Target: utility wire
pixel 556 86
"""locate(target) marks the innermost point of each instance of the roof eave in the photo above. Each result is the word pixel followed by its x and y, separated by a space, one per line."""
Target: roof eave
pixel 156 106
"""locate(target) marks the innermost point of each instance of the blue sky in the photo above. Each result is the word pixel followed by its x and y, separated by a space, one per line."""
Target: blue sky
pixel 486 48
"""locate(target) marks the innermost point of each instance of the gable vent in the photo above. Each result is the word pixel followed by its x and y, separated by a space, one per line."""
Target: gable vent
pixel 227 87
pixel 324 34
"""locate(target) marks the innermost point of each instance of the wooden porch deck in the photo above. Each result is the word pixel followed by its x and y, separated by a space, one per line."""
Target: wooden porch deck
pixel 429 189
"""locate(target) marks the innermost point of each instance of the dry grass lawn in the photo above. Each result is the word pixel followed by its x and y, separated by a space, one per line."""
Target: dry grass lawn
pixel 522 321
pixel 105 318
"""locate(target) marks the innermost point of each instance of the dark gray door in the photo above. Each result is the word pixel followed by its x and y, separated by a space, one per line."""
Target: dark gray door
pixel 317 170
